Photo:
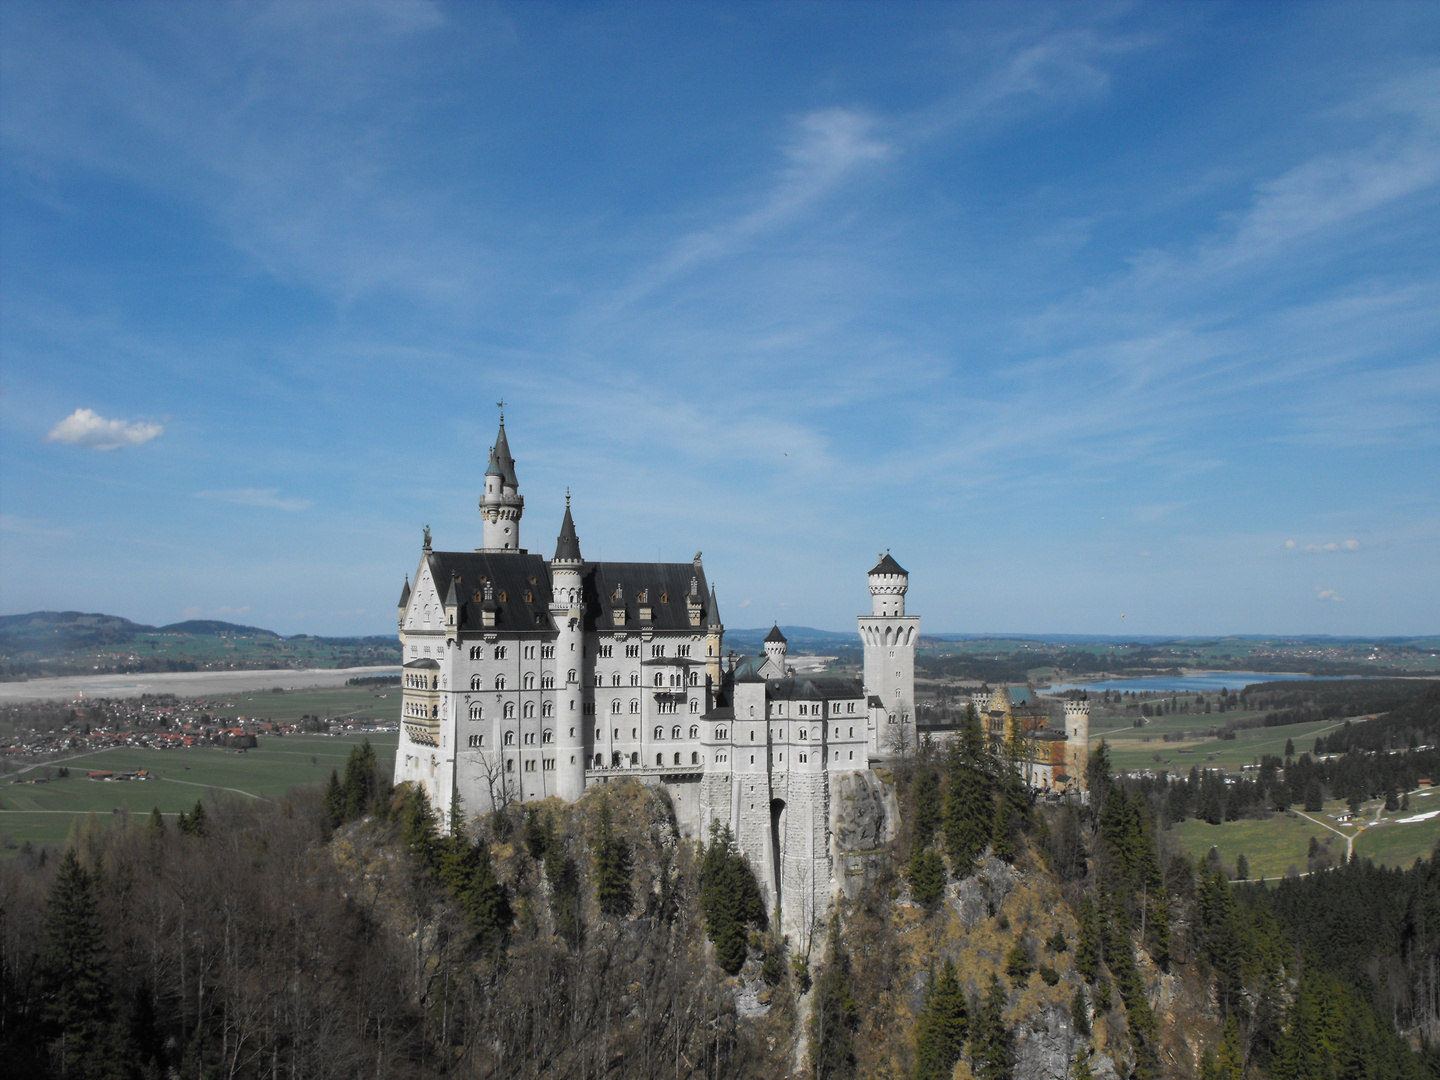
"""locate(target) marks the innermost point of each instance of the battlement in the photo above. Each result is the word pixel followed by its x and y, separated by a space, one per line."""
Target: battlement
pixel 1077 708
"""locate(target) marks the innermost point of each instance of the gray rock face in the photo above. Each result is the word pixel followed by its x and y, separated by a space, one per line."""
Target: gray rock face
pixel 980 895
pixel 864 815
pixel 1043 1045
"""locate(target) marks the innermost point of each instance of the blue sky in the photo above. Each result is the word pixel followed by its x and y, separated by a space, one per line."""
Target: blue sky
pixel 1104 319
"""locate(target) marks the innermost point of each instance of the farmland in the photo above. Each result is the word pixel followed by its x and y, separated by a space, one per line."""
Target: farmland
pixel 44 812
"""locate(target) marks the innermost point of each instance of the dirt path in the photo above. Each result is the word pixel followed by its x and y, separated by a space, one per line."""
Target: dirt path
pixel 1349 840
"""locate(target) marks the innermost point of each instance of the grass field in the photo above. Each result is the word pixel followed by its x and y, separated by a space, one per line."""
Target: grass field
pixel 43 813
pixel 1133 748
pixel 337 703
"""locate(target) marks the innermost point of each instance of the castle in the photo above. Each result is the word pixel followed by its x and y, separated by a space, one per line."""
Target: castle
pixel 525 679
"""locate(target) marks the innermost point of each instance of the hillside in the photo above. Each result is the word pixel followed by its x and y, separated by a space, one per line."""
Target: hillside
pixel 44 643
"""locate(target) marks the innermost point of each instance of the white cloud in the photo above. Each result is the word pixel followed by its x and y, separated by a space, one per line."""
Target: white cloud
pixel 1290 543
pixel 84 427
pixel 1328 594
pixel 267 498
pixel 1344 545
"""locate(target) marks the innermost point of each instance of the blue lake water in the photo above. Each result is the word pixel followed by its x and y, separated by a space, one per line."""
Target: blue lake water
pixel 1204 680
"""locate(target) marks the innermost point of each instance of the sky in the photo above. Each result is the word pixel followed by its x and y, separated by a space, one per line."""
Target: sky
pixel 1102 318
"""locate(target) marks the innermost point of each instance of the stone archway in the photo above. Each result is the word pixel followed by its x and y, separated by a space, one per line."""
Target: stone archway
pixel 777 845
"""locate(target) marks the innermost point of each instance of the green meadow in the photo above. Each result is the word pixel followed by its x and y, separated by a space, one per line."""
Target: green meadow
pixel 1133 748
pixel 43 813
pixel 333 703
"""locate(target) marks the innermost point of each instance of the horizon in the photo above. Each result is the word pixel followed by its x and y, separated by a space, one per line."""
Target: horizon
pixel 1123 320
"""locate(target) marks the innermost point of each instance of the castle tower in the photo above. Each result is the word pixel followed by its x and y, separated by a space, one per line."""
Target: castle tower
pixel 775 649
pixel 567 608
pixel 714 642
pixel 890 637
pixel 1077 742
pixel 501 505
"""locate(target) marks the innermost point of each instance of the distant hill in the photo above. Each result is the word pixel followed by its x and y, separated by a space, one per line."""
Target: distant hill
pixel 800 639
pixel 41 643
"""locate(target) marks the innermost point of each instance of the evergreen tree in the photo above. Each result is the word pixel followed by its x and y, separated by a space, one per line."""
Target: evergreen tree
pixel 1242 867
pixel 992 1042
pixel 194 825
pixel 334 802
pixel 1314 797
pixel 927 876
pixel 157 821
pixel 76 999
pixel 1097 776
pixel 1002 841
pixel 1081 1069
pixel 968 815
pixel 941 1027
pixel 564 878
pixel 612 867
pixel 1080 1013
pixel 1017 963
pixel 534 833
pixel 729 897
pixel 971 744
pixel 361 785
pixel 1087 945
pixel 927 806
pixel 836 1016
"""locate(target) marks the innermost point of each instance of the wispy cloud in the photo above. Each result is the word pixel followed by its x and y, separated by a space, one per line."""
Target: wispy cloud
pixel 1332 545
pixel 266 498
pixel 1328 595
pixel 86 428
pixel 9 523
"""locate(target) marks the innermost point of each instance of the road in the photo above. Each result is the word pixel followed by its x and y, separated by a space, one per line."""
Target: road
pixel 182 683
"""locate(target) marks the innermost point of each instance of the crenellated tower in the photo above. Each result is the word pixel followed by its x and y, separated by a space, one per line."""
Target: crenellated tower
pixel 890 637
pixel 502 504
pixel 567 609
pixel 1077 742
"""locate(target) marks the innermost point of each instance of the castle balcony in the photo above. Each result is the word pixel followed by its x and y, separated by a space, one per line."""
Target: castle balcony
pixel 649 774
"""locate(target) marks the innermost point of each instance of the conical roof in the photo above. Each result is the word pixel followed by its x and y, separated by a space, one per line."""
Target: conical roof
pixel 405 592
pixel 567 546
pixel 887 565
pixel 714 609
pixel 501 463
pixel 452 598
pixel 775 634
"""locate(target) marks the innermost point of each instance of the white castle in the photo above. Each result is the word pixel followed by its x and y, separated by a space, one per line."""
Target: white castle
pixel 524 679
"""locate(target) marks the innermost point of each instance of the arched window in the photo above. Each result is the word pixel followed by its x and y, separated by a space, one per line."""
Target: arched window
pixel 694 706
pixel 615 679
pixel 694 731
pixel 659 679
pixel 615 760
pixel 694 678
pixel 529 680
pixel 509 738
pixel 659 732
pixel 719 733
pixel 634 678
pixel 572 676
pixel 659 759
pixel 599 679
pixel 634 705
pixel 695 757
pixel 677 759
pixel 547 682
pixel 509 710
pixel 477 712
pixel 529 738
pixel 529 710
pixel 547 736
pixel 477 740
pixel 499 652
pixel 548 709
pixel 599 760
pixel 635 759
pixel 675 732
pixel 475 652
pixel 499 682
pixel 474 682
pixel 615 706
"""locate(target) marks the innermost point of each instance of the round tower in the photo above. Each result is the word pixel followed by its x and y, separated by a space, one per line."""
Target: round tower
pixel 714 642
pixel 888 584
pixel 775 648
pixel 567 608
pixel 1077 742
pixel 501 505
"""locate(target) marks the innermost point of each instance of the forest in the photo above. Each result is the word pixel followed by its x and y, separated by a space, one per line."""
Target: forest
pixel 344 931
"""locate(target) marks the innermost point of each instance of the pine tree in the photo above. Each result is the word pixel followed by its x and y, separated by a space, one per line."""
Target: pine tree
pixel 1087 946
pixel 927 806
pixel 836 1016
pixel 1081 1069
pixel 991 1041
pixel 194 825
pixel 157 821
pixel 941 1027
pixel 361 784
pixel 968 815
pixel 612 867
pixel 730 899
pixel 1002 842
pixel 76 997
pixel 334 802
pixel 927 876
pixel 1017 963
pixel 1080 1013
pixel 972 738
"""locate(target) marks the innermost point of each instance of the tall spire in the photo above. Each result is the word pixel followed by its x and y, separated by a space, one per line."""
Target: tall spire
pixel 567 546
pixel 501 506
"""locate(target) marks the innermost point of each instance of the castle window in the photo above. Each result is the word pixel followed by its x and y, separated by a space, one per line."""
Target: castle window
pixel 599 760
pixel 529 738
pixel 659 732
pixel 852 733
pixel 694 678
pixel 804 734
pixel 677 759
pixel 634 705
pixel 615 760
pixel 529 680
pixel 719 733
pixel 529 652
pixel 607 651
pixel 475 652
pixel 548 736
pixel 615 679
pixel 499 652
pixel 474 682
pixel 547 652
pixel 477 711
pixel 509 710
pixel 615 706
pixel 499 682
pixel 549 764
pixel 477 740
pixel 694 706
pixel 509 738
pixel 852 755
pixel 529 710
pixel 599 679
pixel 547 682
pixel 804 758
pixel 530 765
pixel 657 651
pixel 659 679
pixel 694 732
pixel 675 733
pixel 572 677
pixel 634 678
pixel 659 759
pixel 510 764
pixel 548 709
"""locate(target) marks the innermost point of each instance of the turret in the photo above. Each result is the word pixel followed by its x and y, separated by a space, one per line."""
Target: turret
pixel 567 609
pixel 775 648
pixel 1077 742
pixel 889 582
pixel 501 506
pixel 404 601
pixel 714 641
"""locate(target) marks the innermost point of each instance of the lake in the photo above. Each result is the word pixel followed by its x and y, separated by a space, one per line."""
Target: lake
pixel 1200 680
